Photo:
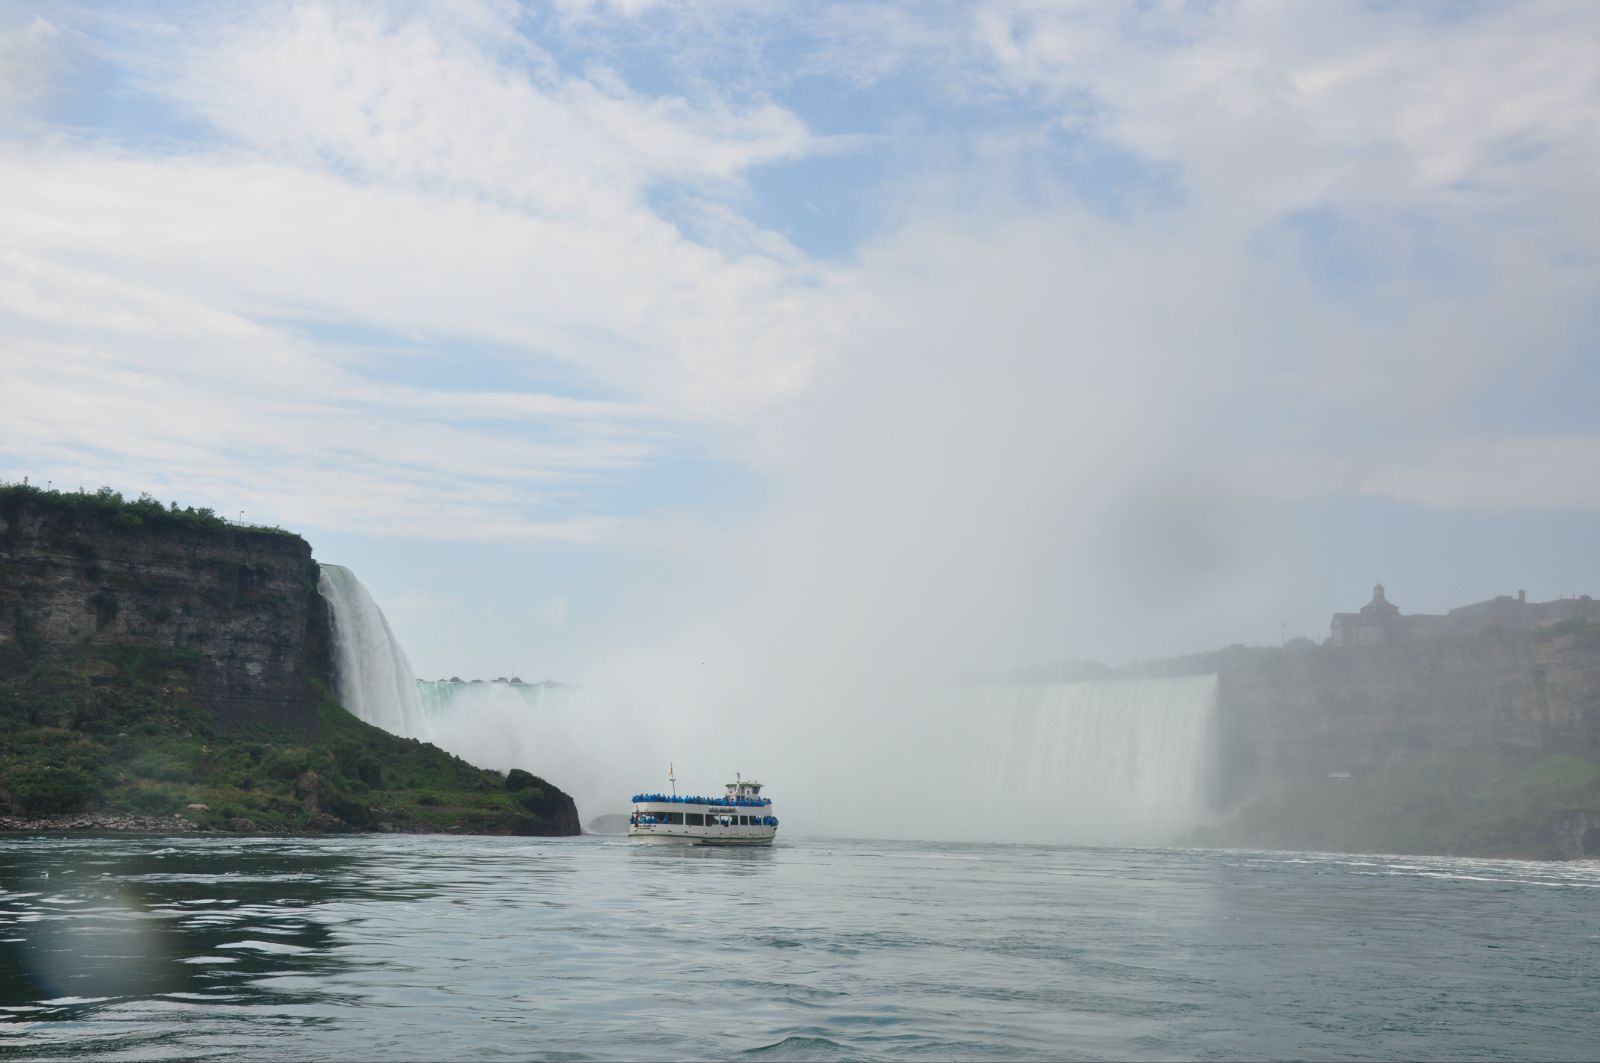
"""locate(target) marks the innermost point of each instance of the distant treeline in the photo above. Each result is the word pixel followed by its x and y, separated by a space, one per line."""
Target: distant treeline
pixel 116 511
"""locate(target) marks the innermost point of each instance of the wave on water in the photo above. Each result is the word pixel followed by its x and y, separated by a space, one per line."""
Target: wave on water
pixel 401 947
pixel 802 1046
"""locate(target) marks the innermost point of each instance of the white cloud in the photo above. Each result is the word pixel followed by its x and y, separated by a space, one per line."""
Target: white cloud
pixel 403 100
pixel 624 299
pixel 1271 107
pixel 31 64
pixel 419 179
pixel 441 181
pixel 1477 475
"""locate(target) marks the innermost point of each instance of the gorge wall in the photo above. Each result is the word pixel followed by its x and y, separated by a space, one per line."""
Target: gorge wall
pixel 1290 714
pixel 240 602
pixel 1482 743
pixel 164 669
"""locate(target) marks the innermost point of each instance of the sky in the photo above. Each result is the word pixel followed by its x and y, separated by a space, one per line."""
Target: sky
pixel 771 340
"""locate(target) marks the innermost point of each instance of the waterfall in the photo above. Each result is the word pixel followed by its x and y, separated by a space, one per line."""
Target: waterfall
pixel 372 675
pixel 1115 761
pixel 543 728
pixel 1111 762
pixel 1118 762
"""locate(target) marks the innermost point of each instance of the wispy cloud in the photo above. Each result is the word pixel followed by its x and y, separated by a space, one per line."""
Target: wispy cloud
pixel 433 182
pixel 1369 219
pixel 32 62
pixel 1554 473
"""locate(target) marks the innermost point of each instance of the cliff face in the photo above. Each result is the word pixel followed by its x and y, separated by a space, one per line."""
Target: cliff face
pixel 242 604
pixel 1317 711
pixel 1485 744
pixel 162 669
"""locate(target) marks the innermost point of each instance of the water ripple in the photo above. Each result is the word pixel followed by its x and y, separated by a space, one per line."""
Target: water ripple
pixel 471 948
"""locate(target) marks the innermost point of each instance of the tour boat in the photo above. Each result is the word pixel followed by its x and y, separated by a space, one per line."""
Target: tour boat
pixel 740 817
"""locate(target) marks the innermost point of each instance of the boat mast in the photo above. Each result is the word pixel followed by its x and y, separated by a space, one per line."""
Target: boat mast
pixel 672 778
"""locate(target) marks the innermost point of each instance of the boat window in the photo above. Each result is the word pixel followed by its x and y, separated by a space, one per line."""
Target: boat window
pixel 744 821
pixel 695 819
pixel 675 817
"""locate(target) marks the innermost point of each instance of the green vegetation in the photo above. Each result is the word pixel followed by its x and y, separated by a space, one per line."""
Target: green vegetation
pixel 1484 803
pixel 115 729
pixel 113 510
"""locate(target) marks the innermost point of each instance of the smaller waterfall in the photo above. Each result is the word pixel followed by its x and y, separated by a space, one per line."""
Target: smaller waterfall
pixel 372 673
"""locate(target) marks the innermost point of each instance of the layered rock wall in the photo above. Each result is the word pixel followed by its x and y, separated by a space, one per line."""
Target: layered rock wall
pixel 242 602
pixel 1297 714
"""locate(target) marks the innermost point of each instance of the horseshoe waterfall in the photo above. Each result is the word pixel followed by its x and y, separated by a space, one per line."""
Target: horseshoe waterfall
pixel 1116 761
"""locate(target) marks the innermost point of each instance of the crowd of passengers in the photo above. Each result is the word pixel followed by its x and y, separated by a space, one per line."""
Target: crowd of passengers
pixel 725 802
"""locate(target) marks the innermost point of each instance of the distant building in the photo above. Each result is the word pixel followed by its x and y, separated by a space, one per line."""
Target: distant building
pixel 1380 620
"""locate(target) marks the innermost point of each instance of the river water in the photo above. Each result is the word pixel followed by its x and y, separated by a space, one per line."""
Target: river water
pixel 394 948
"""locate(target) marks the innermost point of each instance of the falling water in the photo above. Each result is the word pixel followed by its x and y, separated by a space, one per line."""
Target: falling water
pixel 372 674
pixel 1124 762
pixel 1115 761
pixel 544 728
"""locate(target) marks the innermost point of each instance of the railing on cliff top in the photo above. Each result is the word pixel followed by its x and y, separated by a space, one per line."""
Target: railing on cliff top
pixel 724 802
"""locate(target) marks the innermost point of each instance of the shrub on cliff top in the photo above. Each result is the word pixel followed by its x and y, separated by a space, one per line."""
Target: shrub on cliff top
pixel 119 513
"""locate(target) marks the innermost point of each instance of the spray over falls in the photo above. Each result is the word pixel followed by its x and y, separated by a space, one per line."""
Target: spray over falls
pixel 1118 761
pixel 555 730
pixel 571 732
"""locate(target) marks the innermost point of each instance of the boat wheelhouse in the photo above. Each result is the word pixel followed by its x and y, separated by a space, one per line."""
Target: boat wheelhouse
pixel 740 817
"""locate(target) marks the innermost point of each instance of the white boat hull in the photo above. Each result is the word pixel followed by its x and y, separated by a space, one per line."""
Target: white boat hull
pixel 654 838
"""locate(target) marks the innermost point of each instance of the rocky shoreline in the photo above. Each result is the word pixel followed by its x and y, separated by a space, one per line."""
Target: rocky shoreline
pixel 116 823
pixel 94 821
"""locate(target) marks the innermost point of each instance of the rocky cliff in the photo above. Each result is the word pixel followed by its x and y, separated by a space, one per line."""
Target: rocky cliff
pixel 1319 711
pixel 1487 743
pixel 241 603
pixel 159 663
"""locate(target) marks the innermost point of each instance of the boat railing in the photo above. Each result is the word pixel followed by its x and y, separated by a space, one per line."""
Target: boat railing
pixel 646 819
pixel 722 802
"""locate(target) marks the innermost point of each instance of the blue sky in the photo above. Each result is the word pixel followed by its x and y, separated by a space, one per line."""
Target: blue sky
pixel 601 336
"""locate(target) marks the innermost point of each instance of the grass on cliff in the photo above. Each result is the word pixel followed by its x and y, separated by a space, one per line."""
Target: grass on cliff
pixel 1484 803
pixel 116 729
pixel 115 511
